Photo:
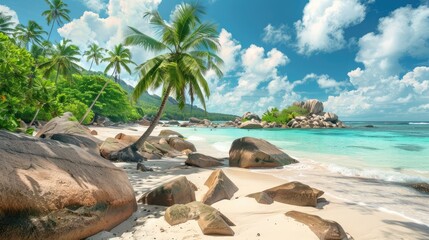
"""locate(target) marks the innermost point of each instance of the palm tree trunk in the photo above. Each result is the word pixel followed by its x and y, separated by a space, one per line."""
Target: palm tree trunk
pixel 58 73
pixel 35 116
pixel 95 100
pixel 52 27
pixel 139 143
pixel 129 154
pixel 91 65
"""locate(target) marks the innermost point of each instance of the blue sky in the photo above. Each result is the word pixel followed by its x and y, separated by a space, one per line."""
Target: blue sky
pixel 365 59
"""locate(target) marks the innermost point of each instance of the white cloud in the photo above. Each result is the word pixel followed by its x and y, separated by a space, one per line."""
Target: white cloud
pixel 9 12
pixel 110 31
pixel 275 35
pixel 95 5
pixel 259 85
pixel 323 23
pixel 378 86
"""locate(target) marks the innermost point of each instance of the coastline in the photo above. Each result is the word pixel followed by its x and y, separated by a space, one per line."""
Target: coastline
pixel 354 202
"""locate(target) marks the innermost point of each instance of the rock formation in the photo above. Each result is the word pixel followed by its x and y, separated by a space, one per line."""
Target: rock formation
pixel 324 229
pixel 176 191
pixel 220 187
pixel 250 152
pixel 52 190
pixel 252 124
pixel 294 193
pixel 166 133
pixel 202 161
pixel 210 220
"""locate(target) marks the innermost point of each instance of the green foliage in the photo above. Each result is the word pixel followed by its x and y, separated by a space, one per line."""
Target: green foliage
pixel 78 109
pixel 284 116
pixel 113 102
pixel 15 67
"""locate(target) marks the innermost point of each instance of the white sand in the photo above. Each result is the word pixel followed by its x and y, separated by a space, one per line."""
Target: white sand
pixel 257 221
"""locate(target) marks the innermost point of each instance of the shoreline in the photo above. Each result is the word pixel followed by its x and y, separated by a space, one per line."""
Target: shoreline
pixel 359 206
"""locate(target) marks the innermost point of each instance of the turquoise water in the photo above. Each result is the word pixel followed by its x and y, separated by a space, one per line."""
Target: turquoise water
pixel 392 151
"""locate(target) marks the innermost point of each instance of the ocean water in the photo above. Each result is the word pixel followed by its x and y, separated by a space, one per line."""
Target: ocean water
pixel 367 168
pixel 390 151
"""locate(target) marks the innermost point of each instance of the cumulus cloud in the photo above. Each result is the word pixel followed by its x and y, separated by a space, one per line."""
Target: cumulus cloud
pixel 9 12
pixel 259 84
pixel 111 30
pixel 95 5
pixel 379 87
pixel 322 26
pixel 275 35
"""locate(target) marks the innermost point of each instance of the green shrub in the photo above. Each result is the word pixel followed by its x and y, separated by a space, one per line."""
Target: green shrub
pixel 284 116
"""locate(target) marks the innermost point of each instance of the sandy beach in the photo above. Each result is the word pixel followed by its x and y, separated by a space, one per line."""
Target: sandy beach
pixel 359 218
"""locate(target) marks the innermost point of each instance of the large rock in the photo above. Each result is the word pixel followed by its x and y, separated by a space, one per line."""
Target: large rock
pixel 81 141
pixel 331 117
pixel 421 187
pixel 324 229
pixel 202 161
pixel 51 190
pixel 111 145
pixel 169 133
pixel 210 220
pixel 250 152
pixel 176 191
pixel 251 116
pixel 220 187
pixel 179 144
pixel 294 193
pixel 144 122
pixel 250 125
pixel 313 106
pixel 63 124
pixel 195 120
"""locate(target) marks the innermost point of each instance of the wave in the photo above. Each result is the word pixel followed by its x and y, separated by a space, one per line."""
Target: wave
pixel 418 123
pixel 389 176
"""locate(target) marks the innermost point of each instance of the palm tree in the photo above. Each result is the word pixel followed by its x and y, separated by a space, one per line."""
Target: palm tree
pixel 94 54
pixel 191 48
pixel 32 33
pixel 41 95
pixel 56 13
pixel 6 25
pixel 63 60
pixel 119 58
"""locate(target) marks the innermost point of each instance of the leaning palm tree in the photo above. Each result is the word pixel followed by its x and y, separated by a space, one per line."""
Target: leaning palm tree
pixel 190 47
pixel 119 58
pixel 63 60
pixel 94 54
pixel 56 13
pixel 30 34
pixel 6 25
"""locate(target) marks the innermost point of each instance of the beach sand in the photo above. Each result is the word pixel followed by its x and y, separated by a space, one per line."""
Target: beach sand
pixel 257 221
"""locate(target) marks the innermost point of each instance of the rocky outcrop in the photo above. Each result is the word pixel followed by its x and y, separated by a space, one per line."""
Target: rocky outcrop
pixel 220 187
pixel 195 120
pixel 294 193
pixel 421 187
pixel 313 106
pixel 250 125
pixel 144 122
pixel 51 190
pixel 83 142
pixel 169 133
pixel 176 191
pixel 250 152
pixel 202 161
pixel 316 121
pixel 210 220
pixel 324 229
pixel 180 145
pixel 251 116
pixel 64 125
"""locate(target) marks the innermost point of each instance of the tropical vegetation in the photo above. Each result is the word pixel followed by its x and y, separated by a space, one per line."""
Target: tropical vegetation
pixel 40 80
pixel 283 116
pixel 187 50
